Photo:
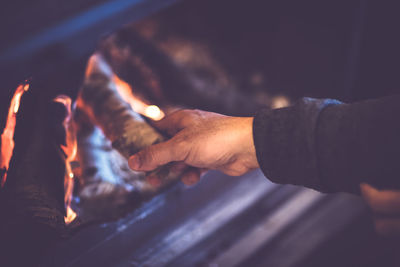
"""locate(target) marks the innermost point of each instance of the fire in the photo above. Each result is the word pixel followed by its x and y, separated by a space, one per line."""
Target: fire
pixel 70 150
pixel 68 191
pixel 71 215
pixel 151 111
pixel 7 138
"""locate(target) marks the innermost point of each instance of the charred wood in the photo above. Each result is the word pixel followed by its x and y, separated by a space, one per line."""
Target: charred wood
pixel 32 200
pixel 126 129
pixel 108 188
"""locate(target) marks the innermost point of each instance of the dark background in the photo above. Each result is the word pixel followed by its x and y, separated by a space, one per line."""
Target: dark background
pixel 339 49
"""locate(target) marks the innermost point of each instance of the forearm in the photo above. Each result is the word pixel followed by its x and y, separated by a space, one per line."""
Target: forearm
pixel 330 146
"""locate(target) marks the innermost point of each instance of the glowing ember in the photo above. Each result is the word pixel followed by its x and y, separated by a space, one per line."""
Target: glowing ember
pixel 68 191
pixel 154 112
pixel 71 216
pixel 70 150
pixel 7 138
pixel 151 111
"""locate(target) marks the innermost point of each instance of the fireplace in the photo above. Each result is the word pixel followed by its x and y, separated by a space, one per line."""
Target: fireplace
pixel 68 197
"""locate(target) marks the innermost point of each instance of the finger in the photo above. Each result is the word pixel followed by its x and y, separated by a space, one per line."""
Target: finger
pixel 154 180
pixel 387 201
pixel 178 167
pixel 191 176
pixel 181 167
pixel 158 177
pixel 174 122
pixel 157 155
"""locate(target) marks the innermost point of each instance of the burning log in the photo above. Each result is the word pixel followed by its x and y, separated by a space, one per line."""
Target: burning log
pixel 32 200
pixel 69 149
pixel 109 188
pixel 126 129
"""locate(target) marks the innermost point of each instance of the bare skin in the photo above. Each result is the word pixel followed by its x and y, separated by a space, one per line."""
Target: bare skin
pixel 202 140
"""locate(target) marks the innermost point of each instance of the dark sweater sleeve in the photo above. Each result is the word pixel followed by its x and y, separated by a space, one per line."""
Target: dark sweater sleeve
pixel 330 146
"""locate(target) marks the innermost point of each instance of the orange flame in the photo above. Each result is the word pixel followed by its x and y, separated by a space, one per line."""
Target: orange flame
pixel 70 150
pixel 151 111
pixel 7 137
pixel 71 215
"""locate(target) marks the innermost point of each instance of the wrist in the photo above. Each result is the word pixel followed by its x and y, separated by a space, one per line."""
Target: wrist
pixel 247 148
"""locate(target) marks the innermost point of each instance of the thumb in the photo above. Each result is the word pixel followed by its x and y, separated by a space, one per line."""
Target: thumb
pixel 154 156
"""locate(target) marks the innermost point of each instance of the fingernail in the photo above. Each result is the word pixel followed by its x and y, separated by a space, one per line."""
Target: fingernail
pixel 134 162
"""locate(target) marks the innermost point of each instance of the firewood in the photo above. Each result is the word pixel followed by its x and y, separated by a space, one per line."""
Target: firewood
pixel 108 186
pixel 126 129
pixel 32 200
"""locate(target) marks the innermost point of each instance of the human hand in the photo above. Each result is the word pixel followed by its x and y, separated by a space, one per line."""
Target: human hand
pixel 203 140
pixel 385 206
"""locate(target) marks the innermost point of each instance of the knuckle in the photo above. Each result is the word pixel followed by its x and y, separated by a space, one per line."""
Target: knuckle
pixel 192 113
pixel 198 113
pixel 186 111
